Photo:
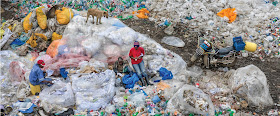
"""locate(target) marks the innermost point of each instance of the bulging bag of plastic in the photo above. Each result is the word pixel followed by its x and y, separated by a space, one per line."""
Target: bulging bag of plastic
pixel 63 17
pixel 26 23
pixel 191 99
pixel 41 18
pixel 60 93
pixel 254 87
pixel 94 91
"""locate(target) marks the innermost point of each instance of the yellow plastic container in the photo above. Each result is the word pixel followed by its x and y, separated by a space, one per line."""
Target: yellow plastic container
pixel 35 89
pixel 251 47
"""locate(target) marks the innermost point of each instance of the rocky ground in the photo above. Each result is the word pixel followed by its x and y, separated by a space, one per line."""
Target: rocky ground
pixel 271 66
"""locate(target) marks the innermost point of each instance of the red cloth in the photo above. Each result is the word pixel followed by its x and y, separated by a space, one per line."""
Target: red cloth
pixel 136 53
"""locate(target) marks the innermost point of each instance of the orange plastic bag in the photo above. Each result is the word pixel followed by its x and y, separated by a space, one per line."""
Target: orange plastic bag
pixel 142 13
pixel 32 41
pixel 26 23
pixel 41 18
pixel 229 13
pixel 52 49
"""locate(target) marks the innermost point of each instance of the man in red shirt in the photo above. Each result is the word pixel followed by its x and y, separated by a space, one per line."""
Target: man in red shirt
pixel 136 54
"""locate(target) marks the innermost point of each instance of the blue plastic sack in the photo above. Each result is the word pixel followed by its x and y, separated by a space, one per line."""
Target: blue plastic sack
pixel 63 73
pixel 129 81
pixel 165 74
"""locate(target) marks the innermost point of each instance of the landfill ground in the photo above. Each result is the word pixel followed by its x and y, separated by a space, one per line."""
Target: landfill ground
pixel 270 66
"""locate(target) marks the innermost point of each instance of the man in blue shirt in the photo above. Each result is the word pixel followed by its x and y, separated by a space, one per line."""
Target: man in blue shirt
pixel 36 76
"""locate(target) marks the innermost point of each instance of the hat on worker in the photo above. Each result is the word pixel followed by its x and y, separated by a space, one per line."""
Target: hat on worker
pixel 136 43
pixel 41 62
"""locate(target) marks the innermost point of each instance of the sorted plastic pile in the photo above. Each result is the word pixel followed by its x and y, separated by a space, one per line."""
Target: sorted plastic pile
pixel 79 55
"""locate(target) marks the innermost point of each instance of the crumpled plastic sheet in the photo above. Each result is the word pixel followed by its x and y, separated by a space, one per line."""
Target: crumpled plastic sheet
pixel 68 60
pixel 17 71
pixel 138 98
pixel 196 101
pixel 7 35
pixel 173 41
pixel 195 71
pixel 254 88
pixel 94 91
pixel 60 93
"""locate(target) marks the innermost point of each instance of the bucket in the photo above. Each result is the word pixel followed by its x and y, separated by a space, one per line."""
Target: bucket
pixel 35 89
pixel 250 46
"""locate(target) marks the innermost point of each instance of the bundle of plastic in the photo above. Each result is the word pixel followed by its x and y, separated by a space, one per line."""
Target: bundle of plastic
pixel 191 99
pixel 254 85
pixel 59 94
pixel 69 60
pixel 94 91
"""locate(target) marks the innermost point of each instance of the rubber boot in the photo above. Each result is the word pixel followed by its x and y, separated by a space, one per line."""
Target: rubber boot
pixel 148 82
pixel 142 81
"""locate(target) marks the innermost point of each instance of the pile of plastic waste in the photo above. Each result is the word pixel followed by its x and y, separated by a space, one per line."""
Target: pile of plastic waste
pixel 215 20
pixel 114 7
pixel 86 51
